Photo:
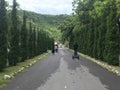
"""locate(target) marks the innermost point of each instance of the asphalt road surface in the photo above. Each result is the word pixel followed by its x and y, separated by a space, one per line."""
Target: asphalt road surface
pixel 61 72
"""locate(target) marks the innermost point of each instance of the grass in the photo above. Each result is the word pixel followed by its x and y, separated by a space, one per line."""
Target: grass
pixel 111 68
pixel 21 67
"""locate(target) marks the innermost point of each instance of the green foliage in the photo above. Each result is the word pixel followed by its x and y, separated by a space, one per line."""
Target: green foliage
pixel 67 28
pixel 30 41
pixel 118 6
pixel 14 37
pixel 3 35
pixel 112 38
pixel 95 28
pixel 48 22
pixel 34 41
pixel 43 20
pixel 28 34
pixel 23 39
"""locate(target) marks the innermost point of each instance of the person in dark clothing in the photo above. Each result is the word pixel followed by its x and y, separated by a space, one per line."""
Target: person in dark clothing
pixel 53 50
pixel 56 48
pixel 75 48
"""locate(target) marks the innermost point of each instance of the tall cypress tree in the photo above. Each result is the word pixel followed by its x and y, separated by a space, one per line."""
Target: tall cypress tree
pixel 112 38
pixel 102 33
pixel 96 36
pixel 30 41
pixel 39 42
pixel 3 34
pixel 91 38
pixel 40 38
pixel 24 39
pixel 34 41
pixel 14 41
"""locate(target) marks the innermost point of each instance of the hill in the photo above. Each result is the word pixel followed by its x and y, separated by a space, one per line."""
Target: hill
pixel 46 22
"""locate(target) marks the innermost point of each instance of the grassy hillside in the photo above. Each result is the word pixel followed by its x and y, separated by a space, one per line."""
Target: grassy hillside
pixel 46 22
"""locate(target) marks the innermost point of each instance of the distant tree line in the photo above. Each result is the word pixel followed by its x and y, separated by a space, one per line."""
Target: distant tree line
pixel 95 26
pixel 19 41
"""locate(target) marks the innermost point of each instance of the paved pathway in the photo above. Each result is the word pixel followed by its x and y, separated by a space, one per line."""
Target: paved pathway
pixel 61 72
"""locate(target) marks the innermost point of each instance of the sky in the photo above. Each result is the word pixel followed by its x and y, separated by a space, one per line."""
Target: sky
pixel 54 7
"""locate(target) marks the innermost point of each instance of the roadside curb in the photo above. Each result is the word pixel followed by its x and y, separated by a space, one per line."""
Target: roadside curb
pixel 103 64
pixel 111 68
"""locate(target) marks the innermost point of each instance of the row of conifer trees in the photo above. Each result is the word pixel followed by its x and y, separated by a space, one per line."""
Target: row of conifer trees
pixel 95 26
pixel 19 41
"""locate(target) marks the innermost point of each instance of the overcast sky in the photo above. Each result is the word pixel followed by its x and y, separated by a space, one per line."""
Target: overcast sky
pixel 46 6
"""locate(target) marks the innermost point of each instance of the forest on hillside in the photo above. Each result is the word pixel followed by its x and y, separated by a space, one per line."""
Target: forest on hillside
pixel 95 26
pixel 25 34
pixel 49 23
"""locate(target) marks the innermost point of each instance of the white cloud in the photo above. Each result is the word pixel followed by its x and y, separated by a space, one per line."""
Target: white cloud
pixel 46 6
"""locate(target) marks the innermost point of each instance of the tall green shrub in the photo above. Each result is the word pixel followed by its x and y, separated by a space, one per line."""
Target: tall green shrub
pixel 3 35
pixel 112 38
pixel 14 37
pixel 24 39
